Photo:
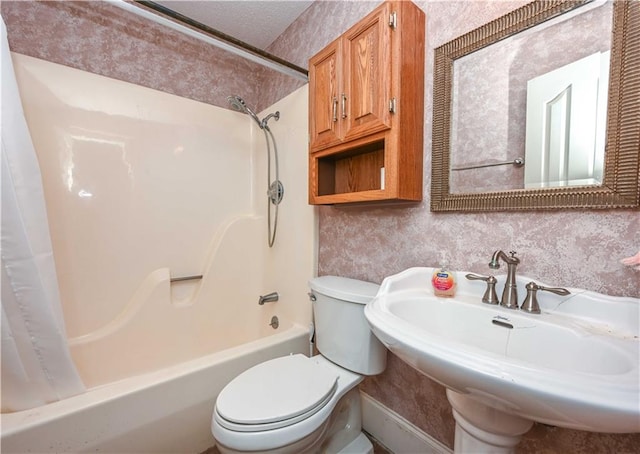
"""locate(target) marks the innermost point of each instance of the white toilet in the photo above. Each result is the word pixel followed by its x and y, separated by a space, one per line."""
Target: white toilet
pixel 296 404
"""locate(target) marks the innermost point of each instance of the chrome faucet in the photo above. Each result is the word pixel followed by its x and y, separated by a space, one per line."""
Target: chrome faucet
pixel 510 293
pixel 268 298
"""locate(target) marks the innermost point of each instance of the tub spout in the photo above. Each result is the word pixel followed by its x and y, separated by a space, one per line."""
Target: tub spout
pixel 268 298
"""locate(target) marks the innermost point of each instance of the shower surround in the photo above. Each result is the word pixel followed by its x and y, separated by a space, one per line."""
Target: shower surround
pixel 144 187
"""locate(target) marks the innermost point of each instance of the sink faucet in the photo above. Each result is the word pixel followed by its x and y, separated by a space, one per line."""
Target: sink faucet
pixel 510 293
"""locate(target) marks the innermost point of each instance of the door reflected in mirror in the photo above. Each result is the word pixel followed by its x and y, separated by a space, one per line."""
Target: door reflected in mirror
pixel 566 124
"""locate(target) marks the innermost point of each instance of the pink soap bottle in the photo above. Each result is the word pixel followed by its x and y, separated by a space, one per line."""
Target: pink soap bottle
pixel 444 282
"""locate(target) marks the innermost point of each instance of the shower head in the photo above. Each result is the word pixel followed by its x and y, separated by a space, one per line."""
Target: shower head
pixel 238 104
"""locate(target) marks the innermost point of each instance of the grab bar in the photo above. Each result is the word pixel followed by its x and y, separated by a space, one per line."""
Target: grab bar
pixel 517 162
pixel 185 278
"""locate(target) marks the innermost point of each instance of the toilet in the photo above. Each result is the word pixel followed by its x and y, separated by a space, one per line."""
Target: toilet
pixel 296 404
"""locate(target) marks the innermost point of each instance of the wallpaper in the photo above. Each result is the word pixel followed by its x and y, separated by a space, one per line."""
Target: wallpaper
pixel 103 39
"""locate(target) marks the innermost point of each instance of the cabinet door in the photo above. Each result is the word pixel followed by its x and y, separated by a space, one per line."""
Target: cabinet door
pixel 367 76
pixel 324 91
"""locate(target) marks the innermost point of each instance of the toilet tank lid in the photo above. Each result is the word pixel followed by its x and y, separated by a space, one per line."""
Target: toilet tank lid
pixel 344 288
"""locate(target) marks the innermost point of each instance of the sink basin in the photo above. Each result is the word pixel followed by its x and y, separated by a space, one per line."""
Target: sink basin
pixel 575 365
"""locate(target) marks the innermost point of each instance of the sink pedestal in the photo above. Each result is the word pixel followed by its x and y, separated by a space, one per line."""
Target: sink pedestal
pixel 483 429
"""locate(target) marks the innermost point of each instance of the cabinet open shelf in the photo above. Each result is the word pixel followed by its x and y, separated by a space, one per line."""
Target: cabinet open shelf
pixel 355 170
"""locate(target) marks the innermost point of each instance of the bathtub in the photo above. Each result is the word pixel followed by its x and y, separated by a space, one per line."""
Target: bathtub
pixel 166 411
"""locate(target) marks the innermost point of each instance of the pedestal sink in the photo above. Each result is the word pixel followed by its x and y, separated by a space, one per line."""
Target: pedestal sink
pixel 575 365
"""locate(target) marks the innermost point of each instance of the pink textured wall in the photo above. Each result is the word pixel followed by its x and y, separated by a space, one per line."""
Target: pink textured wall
pixel 577 248
pixel 103 39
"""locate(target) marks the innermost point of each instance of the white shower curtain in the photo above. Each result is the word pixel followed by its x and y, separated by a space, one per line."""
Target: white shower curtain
pixel 36 364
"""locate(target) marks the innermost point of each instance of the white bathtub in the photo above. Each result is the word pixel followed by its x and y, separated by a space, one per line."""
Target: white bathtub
pixel 167 411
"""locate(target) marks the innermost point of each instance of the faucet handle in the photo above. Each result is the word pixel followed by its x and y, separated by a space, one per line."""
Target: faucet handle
pixel 490 296
pixel 530 303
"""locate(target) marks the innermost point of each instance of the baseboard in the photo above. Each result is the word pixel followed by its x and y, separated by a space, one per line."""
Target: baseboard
pixel 395 432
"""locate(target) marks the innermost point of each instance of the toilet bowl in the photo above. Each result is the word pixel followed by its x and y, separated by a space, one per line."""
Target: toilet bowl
pixel 296 404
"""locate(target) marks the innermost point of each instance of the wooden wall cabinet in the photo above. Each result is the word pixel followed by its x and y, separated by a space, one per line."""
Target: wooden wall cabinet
pixel 366 110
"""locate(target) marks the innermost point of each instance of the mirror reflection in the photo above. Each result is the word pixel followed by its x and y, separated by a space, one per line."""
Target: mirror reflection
pixel 539 98
pixel 566 118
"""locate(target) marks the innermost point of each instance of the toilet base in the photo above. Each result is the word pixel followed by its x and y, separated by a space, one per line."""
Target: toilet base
pixel 345 427
pixel 360 445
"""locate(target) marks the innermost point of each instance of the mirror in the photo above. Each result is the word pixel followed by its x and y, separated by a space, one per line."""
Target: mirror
pixel 485 128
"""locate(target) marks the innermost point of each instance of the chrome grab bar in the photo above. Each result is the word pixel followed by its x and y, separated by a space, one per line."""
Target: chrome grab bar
pixel 517 162
pixel 186 278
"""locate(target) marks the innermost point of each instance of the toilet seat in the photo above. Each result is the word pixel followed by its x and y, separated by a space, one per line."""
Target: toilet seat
pixel 311 425
pixel 276 394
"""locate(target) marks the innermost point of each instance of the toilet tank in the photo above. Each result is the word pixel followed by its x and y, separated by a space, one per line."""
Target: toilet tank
pixel 342 332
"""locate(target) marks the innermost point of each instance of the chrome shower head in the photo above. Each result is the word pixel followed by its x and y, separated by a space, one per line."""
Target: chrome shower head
pixel 238 104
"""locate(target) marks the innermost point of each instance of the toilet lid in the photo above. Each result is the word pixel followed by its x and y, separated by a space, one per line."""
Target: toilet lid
pixel 288 388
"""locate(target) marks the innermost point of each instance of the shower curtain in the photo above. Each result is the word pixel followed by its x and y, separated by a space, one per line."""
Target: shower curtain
pixel 36 364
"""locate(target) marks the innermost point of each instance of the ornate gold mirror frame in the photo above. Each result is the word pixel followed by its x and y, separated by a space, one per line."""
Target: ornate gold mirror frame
pixel 621 186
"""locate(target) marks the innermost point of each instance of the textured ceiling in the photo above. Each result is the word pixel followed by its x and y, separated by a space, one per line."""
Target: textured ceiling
pixel 257 23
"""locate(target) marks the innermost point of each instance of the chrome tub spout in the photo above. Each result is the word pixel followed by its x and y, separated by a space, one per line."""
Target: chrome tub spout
pixel 268 298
